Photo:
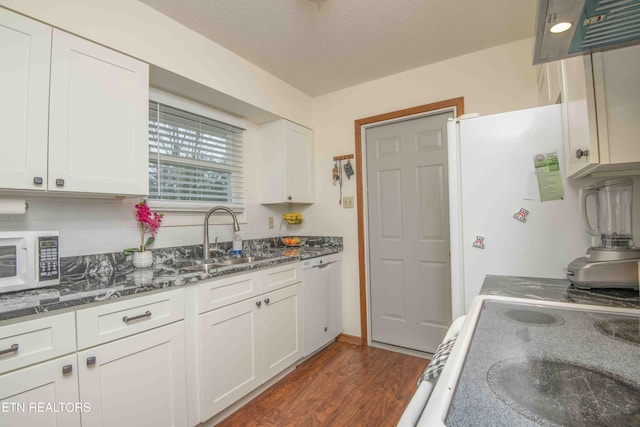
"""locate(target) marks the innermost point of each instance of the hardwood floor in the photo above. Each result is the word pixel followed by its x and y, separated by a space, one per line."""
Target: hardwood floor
pixel 344 385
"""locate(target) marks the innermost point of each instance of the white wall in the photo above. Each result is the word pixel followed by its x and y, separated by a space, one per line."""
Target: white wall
pixel 491 81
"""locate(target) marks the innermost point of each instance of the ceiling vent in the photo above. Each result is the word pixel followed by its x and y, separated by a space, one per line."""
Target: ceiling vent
pixel 595 25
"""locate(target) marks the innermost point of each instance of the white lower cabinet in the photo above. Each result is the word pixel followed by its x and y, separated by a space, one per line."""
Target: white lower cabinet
pixel 139 380
pixel 281 330
pixel 230 356
pixel 45 394
pixel 243 345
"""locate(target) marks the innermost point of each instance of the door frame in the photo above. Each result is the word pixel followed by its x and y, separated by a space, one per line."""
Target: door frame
pixel 454 104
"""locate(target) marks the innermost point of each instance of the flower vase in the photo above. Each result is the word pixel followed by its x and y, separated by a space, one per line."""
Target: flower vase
pixel 142 259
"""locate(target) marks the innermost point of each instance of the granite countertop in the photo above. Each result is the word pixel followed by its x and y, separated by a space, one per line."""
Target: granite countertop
pixel 104 277
pixel 562 290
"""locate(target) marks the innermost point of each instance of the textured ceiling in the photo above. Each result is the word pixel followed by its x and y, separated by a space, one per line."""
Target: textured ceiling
pixel 320 46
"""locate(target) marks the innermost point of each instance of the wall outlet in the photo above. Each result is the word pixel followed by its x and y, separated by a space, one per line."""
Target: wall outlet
pixel 347 202
pixel 270 222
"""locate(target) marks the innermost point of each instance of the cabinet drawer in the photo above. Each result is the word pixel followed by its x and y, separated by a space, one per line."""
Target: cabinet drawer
pixel 279 277
pixel 220 292
pixel 108 322
pixel 34 341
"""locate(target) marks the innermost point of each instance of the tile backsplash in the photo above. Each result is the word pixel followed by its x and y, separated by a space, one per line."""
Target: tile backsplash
pixel 93 226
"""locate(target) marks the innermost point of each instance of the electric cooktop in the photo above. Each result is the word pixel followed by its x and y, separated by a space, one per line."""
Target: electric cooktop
pixel 530 365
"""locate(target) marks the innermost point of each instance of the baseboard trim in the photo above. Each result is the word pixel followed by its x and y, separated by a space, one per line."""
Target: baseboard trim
pixel 350 339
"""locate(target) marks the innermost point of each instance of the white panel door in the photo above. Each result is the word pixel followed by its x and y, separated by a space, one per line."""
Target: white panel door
pixel 230 355
pixel 98 127
pixel 139 380
pixel 42 395
pixel 409 232
pixel 25 51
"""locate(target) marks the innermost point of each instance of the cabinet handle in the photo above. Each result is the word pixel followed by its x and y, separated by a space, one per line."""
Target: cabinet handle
pixel 91 361
pixel 60 182
pixel 581 153
pixel 38 180
pixel 67 369
pixel 127 319
pixel 325 329
pixel 288 197
pixel 258 303
pixel 12 349
pixel 266 300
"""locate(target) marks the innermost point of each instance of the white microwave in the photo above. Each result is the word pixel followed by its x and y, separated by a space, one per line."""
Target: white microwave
pixel 28 260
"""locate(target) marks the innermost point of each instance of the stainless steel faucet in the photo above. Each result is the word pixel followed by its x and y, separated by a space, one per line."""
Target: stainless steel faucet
pixel 206 251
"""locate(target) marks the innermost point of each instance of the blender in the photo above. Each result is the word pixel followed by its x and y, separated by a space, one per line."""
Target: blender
pixel 614 263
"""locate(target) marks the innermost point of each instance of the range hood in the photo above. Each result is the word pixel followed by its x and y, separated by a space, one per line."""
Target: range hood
pixel 595 25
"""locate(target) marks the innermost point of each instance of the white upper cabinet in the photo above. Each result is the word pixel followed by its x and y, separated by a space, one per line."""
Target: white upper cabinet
pixel 601 111
pixel 98 128
pixel 25 47
pixel 74 113
pixel 287 158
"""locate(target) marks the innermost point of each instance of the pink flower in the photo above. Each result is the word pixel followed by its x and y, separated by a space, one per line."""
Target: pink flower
pixel 149 223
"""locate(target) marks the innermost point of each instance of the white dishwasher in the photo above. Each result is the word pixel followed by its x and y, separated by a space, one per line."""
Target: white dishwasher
pixel 321 301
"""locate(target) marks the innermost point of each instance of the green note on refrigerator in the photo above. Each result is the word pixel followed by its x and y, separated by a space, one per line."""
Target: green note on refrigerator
pixel 549 178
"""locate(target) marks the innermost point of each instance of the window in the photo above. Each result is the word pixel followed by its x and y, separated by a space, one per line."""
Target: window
pixel 195 159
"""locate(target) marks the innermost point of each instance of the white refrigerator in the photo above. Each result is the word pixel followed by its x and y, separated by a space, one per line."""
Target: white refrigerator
pixel 492 178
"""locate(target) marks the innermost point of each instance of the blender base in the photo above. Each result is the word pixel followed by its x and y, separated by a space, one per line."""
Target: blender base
pixel 619 274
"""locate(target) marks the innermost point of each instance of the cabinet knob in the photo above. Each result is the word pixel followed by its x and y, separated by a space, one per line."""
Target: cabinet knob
pixel 325 329
pixel 91 361
pixel 266 300
pixel 258 303
pixel 581 153
pixel 60 182
pixel 38 180
pixel 67 369
pixel 289 197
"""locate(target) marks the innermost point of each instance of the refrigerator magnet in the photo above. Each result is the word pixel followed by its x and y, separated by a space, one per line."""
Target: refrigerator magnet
pixel 521 215
pixel 479 242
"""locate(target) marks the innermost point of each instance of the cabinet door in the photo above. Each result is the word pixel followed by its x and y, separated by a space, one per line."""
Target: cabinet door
pixel 139 380
pixel 298 154
pixel 617 90
pixel 230 359
pixel 42 395
pixel 282 329
pixel 581 134
pixel 98 126
pixel 24 103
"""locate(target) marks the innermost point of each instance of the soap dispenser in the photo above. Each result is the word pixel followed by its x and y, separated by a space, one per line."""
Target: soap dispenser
pixel 237 245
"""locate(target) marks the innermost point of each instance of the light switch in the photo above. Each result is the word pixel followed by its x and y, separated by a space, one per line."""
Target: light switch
pixel 347 202
pixel 270 222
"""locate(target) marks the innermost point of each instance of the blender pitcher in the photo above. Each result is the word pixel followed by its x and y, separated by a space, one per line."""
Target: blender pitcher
pixel 613 199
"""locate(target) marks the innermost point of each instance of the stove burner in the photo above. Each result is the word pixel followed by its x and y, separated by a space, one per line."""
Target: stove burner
pixel 626 330
pixel 552 392
pixel 532 317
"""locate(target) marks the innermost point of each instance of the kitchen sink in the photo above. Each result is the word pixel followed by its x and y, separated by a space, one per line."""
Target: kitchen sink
pixel 206 267
pixel 243 260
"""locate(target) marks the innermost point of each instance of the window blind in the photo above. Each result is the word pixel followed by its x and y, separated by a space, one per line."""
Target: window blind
pixel 193 158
